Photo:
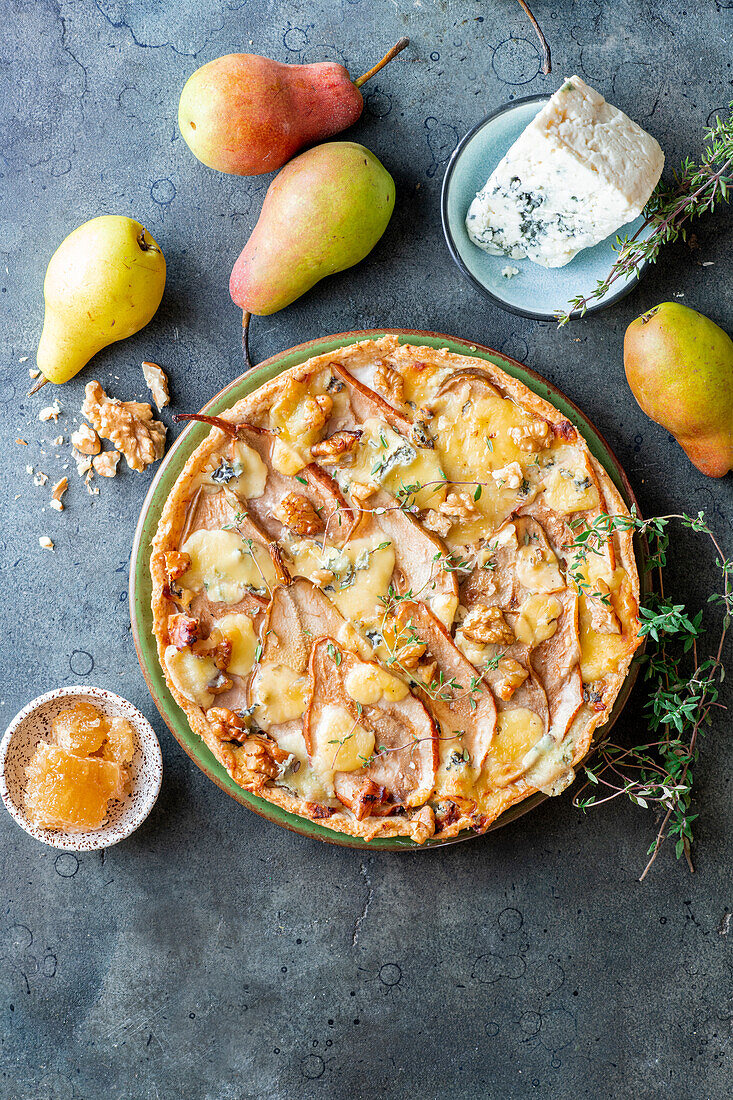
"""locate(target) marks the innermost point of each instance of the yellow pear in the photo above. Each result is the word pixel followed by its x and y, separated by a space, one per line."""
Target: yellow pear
pixel 104 282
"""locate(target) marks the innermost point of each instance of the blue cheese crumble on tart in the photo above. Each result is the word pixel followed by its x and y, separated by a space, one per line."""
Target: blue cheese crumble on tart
pixel 578 172
pixel 366 600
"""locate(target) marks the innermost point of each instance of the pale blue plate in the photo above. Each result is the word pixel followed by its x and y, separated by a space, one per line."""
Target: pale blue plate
pixel 536 292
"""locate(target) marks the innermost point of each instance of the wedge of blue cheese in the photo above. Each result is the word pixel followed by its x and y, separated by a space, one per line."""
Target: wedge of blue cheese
pixel 576 174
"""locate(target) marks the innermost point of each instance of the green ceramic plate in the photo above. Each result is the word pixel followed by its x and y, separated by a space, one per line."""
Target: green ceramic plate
pixel 140 583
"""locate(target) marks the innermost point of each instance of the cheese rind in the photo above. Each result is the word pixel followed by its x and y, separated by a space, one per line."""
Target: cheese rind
pixel 578 172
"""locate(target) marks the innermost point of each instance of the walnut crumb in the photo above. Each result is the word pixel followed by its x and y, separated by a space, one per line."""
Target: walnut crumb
pixel 57 492
pixel 51 412
pixel 45 543
pixel 39 478
pixel 105 464
pixel 21 442
pixel 510 475
pixel 58 441
pixel 86 440
pixel 83 463
pixel 129 425
pixel 157 382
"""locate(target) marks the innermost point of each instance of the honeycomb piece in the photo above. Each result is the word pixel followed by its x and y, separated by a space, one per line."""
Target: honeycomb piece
pixel 119 744
pixel 80 728
pixel 68 792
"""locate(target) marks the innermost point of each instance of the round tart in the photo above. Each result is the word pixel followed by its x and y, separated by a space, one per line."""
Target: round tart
pixel 369 599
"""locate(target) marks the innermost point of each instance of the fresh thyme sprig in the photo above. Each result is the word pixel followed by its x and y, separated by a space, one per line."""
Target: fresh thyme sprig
pixel 697 189
pixel 683 688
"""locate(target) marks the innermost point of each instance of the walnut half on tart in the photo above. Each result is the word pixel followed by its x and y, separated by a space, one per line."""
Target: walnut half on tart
pixel 368 599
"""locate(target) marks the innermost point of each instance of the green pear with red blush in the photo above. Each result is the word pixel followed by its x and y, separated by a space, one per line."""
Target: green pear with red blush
pixel 679 365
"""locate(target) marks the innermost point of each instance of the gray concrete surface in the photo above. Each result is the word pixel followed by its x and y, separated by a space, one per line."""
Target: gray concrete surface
pixel 214 956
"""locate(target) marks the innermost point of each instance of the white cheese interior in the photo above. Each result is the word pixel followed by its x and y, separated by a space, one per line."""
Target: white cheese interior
pixel 578 172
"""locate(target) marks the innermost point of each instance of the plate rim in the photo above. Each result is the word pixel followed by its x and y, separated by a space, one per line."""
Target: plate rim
pixel 276 815
pixel 532 315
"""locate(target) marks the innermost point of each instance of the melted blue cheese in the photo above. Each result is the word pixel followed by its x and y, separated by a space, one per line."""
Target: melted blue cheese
pixel 355 578
pixel 226 566
pixel 385 459
pixel 576 174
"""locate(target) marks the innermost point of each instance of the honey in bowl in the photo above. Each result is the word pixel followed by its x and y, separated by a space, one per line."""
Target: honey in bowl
pixel 72 779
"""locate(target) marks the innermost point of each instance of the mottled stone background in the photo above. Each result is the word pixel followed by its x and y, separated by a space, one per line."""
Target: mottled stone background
pixel 214 956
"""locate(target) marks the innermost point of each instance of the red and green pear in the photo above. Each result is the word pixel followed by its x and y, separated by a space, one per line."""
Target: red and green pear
pixel 324 212
pixel 245 114
pixel 679 365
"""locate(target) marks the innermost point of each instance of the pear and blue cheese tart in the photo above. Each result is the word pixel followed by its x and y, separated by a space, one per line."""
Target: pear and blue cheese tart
pixel 368 597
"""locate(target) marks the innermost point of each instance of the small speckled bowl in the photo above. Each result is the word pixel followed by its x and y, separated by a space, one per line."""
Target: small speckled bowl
pixel 33 724
pixel 534 291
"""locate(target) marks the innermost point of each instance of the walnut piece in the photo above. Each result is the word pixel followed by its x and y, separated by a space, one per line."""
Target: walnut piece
pixel 532 437
pixel 86 440
pixel 322 577
pixel 183 630
pixel 263 757
pixel 105 464
pixel 511 676
pixel 220 684
pixel 296 512
pixel 129 425
pixel 390 382
pixel 228 725
pixel 603 618
pixel 401 640
pixel 217 648
pixel 176 564
pixel 486 625
pixel 436 522
pixel 157 382
pixel 45 543
pixel 459 504
pixel 336 447
pixel 510 475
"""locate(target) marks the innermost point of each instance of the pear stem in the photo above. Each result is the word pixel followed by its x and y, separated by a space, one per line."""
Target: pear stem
pixel 246 318
pixel 546 60
pixel 39 384
pixel 397 48
pixel 215 421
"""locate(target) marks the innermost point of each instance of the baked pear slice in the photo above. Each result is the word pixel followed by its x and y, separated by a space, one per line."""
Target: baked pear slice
pixel 382 753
